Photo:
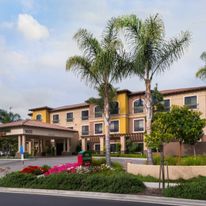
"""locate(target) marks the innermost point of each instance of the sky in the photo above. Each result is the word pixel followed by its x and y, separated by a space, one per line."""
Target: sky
pixel 36 39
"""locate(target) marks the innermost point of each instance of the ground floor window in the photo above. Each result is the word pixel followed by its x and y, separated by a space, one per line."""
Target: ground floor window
pixel 97 147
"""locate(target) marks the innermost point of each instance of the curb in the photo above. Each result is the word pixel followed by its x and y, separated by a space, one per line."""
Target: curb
pixel 106 196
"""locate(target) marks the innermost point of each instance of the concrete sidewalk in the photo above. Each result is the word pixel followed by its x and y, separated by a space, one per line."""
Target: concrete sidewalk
pixel 107 196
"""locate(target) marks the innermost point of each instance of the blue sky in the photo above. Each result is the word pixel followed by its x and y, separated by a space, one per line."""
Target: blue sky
pixel 36 40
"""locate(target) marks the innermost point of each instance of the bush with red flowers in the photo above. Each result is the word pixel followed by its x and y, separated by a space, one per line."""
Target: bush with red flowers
pixel 36 170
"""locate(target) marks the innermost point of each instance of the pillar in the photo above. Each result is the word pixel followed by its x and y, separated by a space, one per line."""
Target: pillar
pixel 68 145
pixel 19 143
pixel 84 144
pixel 64 145
pixel 23 142
pixel 102 145
pixel 29 149
pixel 123 144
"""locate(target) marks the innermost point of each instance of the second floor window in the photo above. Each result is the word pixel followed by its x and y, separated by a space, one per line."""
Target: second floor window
pixel 39 117
pixel 70 117
pixel 114 126
pixel 55 118
pixel 166 105
pixel 85 130
pixel 138 125
pixel 98 128
pixel 85 115
pixel 138 106
pixel 191 102
pixel 97 112
pixel 114 108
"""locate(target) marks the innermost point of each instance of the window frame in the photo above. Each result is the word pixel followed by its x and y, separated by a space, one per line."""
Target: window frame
pixel 96 113
pixel 70 119
pixel 115 120
pixel 137 119
pixel 86 125
pixel 95 128
pixel 55 121
pixel 40 118
pixel 170 104
pixel 190 96
pixel 134 106
pixel 82 115
pixel 118 111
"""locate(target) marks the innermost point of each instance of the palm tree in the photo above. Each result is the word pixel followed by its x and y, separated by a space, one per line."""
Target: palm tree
pixel 201 73
pixel 151 54
pixel 101 64
pixel 6 117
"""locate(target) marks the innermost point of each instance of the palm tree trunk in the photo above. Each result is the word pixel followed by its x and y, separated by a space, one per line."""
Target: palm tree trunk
pixel 107 129
pixel 148 108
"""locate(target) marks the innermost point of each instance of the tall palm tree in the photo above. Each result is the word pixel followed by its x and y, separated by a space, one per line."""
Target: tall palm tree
pixel 201 73
pixel 6 117
pixel 151 54
pixel 101 64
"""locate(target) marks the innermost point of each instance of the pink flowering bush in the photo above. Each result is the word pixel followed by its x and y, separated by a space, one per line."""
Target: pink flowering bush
pixel 68 167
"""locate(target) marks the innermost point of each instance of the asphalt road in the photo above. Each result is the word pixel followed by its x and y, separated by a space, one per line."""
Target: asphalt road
pixel 11 199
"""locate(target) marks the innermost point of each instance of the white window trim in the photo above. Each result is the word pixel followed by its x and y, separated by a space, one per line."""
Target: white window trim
pixel 88 114
pixel 81 129
pixel 53 118
pixel 118 108
pixel 94 128
pixel 133 106
pixel 191 96
pixel 41 117
pixel 143 123
pixel 95 145
pixel 118 126
pixel 72 115
pixel 170 101
pixel 94 112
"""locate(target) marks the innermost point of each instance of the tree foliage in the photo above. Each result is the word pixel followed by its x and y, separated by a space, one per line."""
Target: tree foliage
pixel 201 73
pixel 6 117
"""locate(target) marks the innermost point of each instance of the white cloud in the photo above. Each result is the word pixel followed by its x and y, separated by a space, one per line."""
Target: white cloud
pixel 31 28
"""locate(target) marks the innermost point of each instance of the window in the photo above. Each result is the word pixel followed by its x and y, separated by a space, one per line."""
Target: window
pixel 85 130
pixel 114 108
pixel 98 128
pixel 85 115
pixel 70 117
pixel 114 126
pixel 167 105
pixel 138 125
pixel 55 118
pixel 138 106
pixel 98 112
pixel 97 147
pixel 39 117
pixel 191 102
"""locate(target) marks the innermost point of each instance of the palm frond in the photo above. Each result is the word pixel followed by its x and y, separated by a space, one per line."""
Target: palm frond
pixel 201 73
pixel 83 68
pixel 203 56
pixel 171 51
pixel 87 43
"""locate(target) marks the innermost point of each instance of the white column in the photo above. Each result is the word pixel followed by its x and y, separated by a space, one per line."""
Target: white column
pixel 123 144
pixel 19 143
pixel 29 147
pixel 23 138
pixel 68 145
pixel 64 145
pixel 84 144
pixel 102 144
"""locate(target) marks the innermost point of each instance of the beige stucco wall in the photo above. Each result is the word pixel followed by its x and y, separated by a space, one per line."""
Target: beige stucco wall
pixel 175 172
pixel 77 122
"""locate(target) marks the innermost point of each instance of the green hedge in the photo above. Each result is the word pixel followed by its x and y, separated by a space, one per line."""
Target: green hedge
pixel 186 161
pixel 191 190
pixel 115 182
pixel 122 155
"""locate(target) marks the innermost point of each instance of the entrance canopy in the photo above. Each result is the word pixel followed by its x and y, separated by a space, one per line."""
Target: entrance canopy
pixel 32 132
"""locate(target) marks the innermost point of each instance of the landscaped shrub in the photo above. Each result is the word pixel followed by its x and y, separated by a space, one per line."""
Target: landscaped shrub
pixel 36 170
pixel 112 182
pixel 187 161
pixel 17 179
pixel 98 162
pixel 191 190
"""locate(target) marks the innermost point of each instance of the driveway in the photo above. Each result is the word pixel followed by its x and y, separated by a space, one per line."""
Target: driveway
pixel 14 165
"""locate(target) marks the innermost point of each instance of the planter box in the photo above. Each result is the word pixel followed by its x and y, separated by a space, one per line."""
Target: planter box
pixel 175 172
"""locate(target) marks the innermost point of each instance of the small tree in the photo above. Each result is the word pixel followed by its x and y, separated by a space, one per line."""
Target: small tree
pixel 161 133
pixel 186 126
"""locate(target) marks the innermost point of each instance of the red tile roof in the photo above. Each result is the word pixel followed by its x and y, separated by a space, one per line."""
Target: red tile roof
pixel 74 106
pixel 35 123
